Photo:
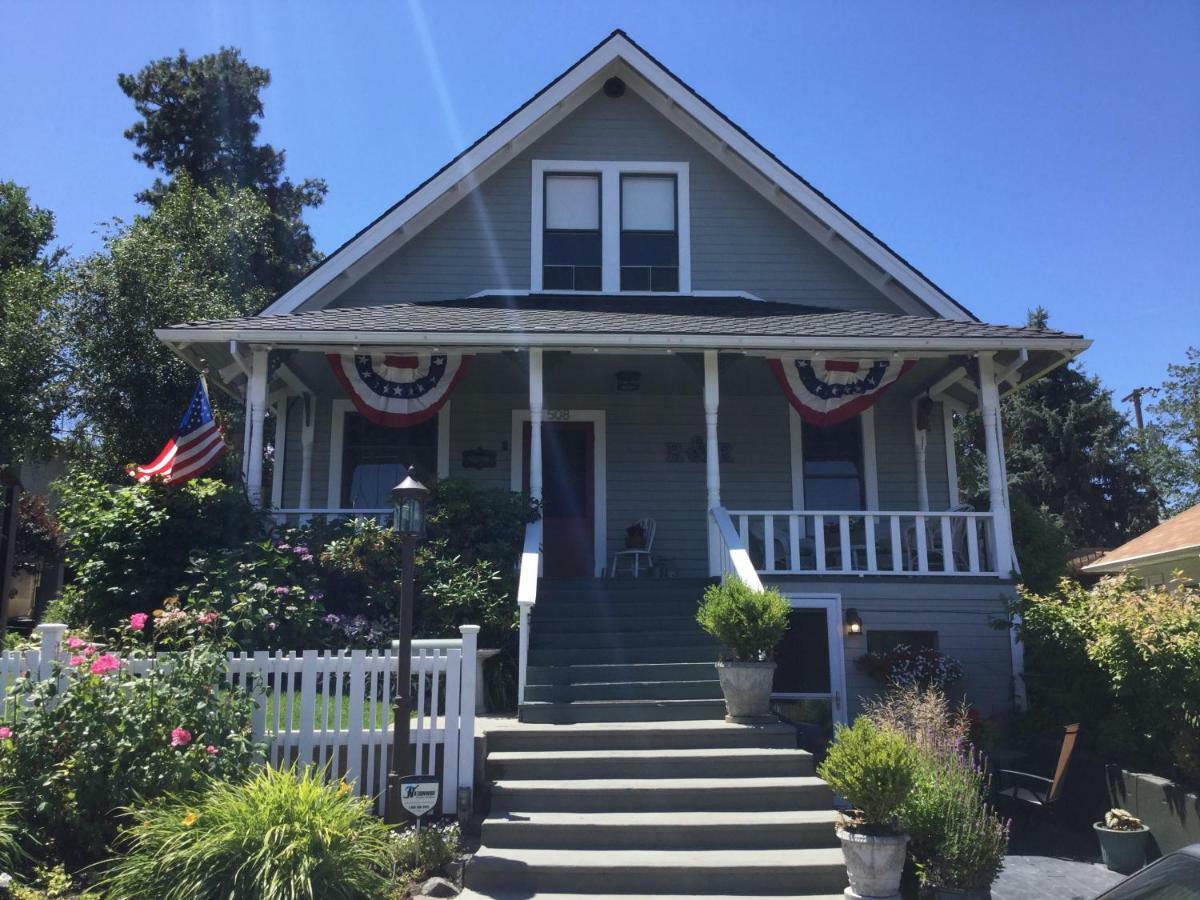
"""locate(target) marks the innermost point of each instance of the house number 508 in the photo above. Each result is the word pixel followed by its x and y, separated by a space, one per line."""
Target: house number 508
pixel 558 415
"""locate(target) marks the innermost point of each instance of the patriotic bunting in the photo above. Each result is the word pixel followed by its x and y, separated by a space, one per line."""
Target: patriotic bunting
pixel 197 445
pixel 398 391
pixel 827 391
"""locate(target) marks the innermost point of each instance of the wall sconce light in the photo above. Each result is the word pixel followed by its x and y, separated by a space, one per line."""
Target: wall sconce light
pixel 628 380
pixel 854 623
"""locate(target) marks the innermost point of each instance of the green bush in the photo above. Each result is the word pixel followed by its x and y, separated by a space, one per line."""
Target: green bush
pixel 1121 659
pixel 72 755
pixel 750 624
pixel 277 836
pixel 128 548
pixel 421 853
pixel 874 769
pixel 10 834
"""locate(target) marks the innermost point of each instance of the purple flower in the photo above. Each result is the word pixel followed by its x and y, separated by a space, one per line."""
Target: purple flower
pixel 332 619
pixel 306 557
pixel 281 590
pixel 300 550
pixel 317 595
pixel 282 546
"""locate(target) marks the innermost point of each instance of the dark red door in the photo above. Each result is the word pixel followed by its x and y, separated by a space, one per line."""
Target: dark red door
pixel 568 517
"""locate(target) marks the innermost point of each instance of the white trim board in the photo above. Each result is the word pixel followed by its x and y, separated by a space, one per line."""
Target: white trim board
pixel 337 439
pixel 616 55
pixel 832 604
pixel 610 216
pixel 599 421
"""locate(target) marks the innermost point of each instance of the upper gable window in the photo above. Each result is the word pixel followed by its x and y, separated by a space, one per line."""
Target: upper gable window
pixel 649 233
pixel 571 241
pixel 606 227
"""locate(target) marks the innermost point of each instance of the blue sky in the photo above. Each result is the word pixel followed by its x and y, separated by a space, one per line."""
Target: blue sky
pixel 1018 153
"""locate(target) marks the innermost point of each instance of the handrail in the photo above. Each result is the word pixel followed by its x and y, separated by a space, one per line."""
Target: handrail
pixel 735 558
pixel 527 584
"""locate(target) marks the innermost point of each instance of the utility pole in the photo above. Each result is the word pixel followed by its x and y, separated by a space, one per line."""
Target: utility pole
pixel 1135 397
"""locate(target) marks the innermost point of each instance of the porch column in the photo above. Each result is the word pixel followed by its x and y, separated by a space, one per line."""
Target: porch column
pixel 712 456
pixel 993 435
pixel 256 403
pixel 920 443
pixel 307 432
pixel 536 409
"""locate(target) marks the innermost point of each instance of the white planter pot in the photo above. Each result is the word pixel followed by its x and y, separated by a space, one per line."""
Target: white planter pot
pixel 873 864
pixel 747 690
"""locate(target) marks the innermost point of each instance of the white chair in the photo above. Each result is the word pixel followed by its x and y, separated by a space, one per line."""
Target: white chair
pixel 636 556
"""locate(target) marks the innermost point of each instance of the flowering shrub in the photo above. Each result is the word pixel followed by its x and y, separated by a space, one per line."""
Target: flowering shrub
pixel 904 665
pixel 98 737
pixel 1121 659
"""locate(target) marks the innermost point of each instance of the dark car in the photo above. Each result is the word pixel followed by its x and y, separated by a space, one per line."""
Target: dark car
pixel 1174 877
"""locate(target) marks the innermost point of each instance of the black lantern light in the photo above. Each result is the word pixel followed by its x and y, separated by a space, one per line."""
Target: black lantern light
pixel 854 623
pixel 408 506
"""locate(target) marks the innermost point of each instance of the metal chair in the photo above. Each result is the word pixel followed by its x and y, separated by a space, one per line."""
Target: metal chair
pixel 933 537
pixel 635 555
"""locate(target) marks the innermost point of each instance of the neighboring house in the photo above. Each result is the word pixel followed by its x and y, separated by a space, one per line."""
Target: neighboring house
pixel 1160 554
pixel 621 302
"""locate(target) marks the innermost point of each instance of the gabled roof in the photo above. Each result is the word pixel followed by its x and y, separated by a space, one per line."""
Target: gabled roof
pixel 638 320
pixel 738 150
pixel 1175 538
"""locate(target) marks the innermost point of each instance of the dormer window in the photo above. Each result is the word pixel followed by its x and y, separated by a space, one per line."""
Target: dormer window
pixel 609 227
pixel 649 233
pixel 571 242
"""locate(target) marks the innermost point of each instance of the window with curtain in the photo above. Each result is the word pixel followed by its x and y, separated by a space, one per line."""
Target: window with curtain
pixel 649 233
pixel 571 242
pixel 375 459
pixel 833 466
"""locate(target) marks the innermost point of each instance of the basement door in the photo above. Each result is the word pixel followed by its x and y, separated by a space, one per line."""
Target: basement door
pixel 810 678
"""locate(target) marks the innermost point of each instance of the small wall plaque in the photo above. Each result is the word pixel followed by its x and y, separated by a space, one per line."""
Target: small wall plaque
pixel 479 458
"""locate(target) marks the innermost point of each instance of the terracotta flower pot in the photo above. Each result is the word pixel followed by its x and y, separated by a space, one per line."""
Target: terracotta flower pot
pixel 874 864
pixel 747 690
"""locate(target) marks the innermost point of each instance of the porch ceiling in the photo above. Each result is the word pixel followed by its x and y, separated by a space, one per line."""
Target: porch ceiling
pixel 733 322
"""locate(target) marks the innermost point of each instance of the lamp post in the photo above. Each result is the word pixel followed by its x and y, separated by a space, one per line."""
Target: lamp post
pixel 408 521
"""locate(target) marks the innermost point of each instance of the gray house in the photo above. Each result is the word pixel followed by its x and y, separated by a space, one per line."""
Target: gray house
pixel 618 301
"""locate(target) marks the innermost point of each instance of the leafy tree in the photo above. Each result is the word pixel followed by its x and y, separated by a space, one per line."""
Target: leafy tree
pixel 190 258
pixel 1172 439
pixel 1071 457
pixel 31 385
pixel 200 120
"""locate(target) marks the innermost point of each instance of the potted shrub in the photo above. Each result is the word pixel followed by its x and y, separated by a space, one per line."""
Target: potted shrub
pixel 1122 841
pixel 873 769
pixel 749 624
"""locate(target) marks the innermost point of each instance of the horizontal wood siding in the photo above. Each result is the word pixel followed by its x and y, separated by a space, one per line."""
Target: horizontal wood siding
pixel 740 242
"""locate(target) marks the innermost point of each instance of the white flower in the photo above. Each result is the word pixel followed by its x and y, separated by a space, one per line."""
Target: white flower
pixel 5 881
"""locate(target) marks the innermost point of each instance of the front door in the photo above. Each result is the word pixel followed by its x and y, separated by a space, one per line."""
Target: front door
pixel 810 673
pixel 568 516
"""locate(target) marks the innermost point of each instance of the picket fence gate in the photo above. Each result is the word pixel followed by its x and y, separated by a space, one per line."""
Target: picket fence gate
pixel 332 708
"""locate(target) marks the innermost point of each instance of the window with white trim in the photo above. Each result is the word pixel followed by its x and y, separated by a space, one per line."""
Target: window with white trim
pixel 610 227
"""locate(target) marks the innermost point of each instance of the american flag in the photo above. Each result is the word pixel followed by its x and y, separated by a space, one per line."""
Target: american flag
pixel 196 446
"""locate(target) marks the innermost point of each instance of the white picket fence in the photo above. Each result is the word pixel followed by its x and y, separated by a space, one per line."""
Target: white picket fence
pixel 333 708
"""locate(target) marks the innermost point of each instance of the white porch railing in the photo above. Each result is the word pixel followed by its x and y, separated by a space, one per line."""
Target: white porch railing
pixel 868 542
pixel 735 558
pixel 527 584
pixel 299 516
pixel 333 708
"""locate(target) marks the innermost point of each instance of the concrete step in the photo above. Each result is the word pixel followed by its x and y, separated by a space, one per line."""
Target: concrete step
pixel 613 656
pixel 569 640
pixel 564 713
pixel 706 763
pixel 663 830
pixel 661 795
pixel 694 671
pixel 760 873
pixel 639 736
pixel 625 690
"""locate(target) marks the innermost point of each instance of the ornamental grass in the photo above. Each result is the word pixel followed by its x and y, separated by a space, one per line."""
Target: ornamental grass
pixel 281 835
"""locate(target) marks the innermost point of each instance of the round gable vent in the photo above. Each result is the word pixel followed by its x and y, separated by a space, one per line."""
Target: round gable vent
pixel 614 87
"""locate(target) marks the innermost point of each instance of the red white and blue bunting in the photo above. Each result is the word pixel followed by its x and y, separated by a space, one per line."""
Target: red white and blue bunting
pixel 827 391
pixel 398 391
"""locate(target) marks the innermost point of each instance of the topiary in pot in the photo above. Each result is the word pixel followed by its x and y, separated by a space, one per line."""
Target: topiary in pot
pixel 873 769
pixel 750 624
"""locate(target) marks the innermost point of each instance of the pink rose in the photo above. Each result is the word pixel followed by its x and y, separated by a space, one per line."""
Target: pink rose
pixel 5 733
pixel 180 737
pixel 74 643
pixel 208 618
pixel 75 660
pixel 104 664
pixel 211 750
pixel 138 621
